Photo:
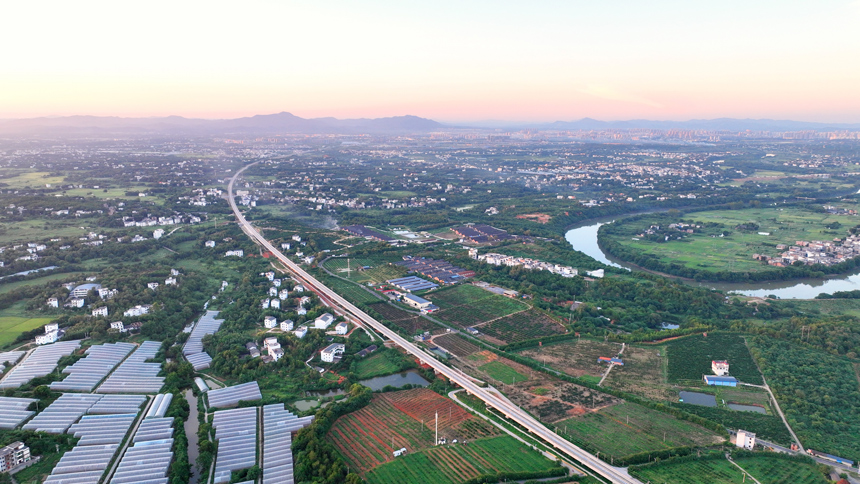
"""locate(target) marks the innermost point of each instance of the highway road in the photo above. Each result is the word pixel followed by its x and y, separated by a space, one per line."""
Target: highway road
pixel 518 415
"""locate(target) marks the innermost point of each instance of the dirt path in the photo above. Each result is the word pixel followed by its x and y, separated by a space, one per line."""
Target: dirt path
pixel 742 470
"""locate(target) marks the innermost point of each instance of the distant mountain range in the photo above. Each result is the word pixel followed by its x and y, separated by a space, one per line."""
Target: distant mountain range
pixel 719 124
pixel 264 124
pixel 286 123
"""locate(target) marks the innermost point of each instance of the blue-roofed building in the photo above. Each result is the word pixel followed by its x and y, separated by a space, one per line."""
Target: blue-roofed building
pixel 411 284
pixel 721 381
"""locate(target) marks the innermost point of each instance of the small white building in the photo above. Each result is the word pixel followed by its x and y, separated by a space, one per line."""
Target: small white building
pixel 745 440
pixel 265 303
pixel 53 302
pixel 117 325
pixel 720 367
pixel 270 322
pixel 174 272
pixel 299 288
pixel 273 291
pixel 271 342
pixel 106 293
pixel 270 276
pixel 275 303
pixel 276 282
pixel 283 294
pixel 234 253
pixel 47 338
pixel 137 310
pixel 157 233
pixel 52 328
pixel 304 301
pixel 276 353
pixel 287 325
pixel 342 327
pixel 323 321
pixel 301 331
pixel 152 285
pixel 598 273
pixel 170 281
pixel 332 352
pixel 209 243
pixel 301 311
pixel 100 312
pixel 77 302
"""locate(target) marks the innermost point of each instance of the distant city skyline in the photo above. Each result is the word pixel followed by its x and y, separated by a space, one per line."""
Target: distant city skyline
pixel 448 61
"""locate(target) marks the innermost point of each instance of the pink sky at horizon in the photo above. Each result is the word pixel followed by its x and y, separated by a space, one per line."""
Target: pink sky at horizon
pixel 449 61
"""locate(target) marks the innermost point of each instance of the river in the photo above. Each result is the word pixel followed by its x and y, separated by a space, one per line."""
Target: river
pixel 584 239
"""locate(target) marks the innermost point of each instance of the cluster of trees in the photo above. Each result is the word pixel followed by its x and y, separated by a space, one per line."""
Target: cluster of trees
pixel 316 460
pixel 817 391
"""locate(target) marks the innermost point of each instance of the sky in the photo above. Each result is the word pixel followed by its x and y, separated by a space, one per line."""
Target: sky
pixel 452 61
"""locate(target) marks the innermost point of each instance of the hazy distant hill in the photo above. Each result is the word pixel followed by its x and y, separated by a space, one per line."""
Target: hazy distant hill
pixel 286 123
pixel 719 124
pixel 266 124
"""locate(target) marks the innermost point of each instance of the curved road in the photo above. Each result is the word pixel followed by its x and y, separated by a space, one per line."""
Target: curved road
pixel 613 474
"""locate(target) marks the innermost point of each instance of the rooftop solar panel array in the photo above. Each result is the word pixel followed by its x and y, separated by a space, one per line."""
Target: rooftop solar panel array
pixel 61 414
pixel 87 372
pixel 278 426
pixel 40 362
pixel 148 460
pixel 13 411
pixel 134 375
pixel 236 432
pixel 193 349
pixel 230 396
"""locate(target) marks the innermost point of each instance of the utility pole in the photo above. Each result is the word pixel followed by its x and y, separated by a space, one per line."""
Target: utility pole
pixel 437 428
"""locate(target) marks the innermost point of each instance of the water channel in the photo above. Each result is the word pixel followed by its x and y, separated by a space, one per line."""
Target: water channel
pixel 191 426
pixel 584 239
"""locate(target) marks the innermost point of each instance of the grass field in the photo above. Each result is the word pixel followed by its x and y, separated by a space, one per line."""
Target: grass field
pixel 502 372
pixel 767 469
pixel 379 272
pixel 628 428
pixel 375 365
pixel 690 357
pixel 9 286
pixel 32 179
pixel 353 292
pixel 451 464
pixel 36 229
pixel 11 327
pixel 734 252
pixel 466 305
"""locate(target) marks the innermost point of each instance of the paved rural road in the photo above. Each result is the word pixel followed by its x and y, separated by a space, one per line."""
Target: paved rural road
pixel 339 304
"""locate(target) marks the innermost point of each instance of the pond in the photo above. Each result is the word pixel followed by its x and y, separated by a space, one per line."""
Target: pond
pixel 747 408
pixel 696 398
pixel 396 380
pixel 305 405
pixel 584 239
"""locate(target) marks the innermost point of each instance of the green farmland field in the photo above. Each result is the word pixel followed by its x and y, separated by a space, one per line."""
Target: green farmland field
pixel 702 252
pixel 628 428
pixel 375 365
pixel 451 464
pixel 467 305
pixel 767 469
pixel 690 357
pixel 502 372
pixel 11 327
